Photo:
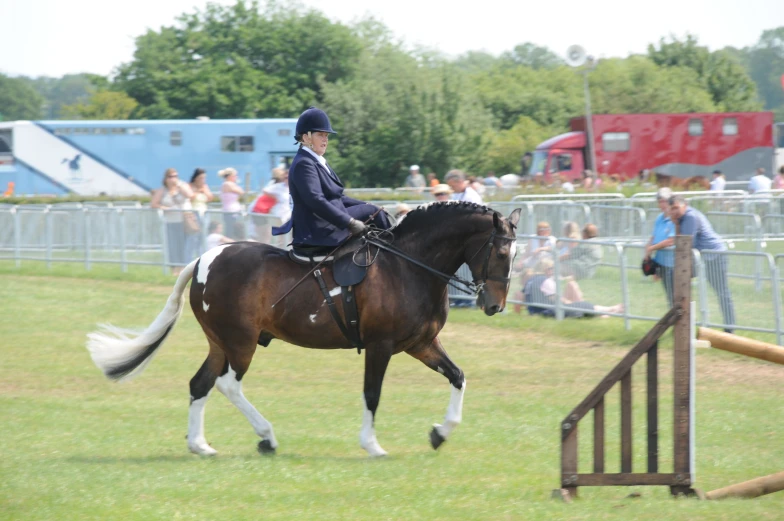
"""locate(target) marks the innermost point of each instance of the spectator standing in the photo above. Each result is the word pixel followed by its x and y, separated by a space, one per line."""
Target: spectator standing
pixel 718 182
pixel 415 179
pixel 759 182
pixel 230 202
pixel 201 196
pixel 778 180
pixel 659 247
pixel 432 180
pixel 709 244
pixel 274 200
pixel 174 199
pixel 457 181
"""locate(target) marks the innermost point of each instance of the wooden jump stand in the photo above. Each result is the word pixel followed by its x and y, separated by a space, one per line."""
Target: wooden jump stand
pixel 681 479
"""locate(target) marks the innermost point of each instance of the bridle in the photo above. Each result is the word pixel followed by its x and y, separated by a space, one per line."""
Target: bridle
pixel 476 286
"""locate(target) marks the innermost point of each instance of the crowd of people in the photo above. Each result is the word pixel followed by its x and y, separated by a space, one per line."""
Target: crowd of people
pixel 185 204
pixel 577 259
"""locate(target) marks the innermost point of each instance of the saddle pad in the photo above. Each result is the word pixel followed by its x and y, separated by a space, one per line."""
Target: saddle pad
pixel 346 272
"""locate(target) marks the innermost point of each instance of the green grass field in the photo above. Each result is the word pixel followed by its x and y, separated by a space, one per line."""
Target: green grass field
pixel 75 446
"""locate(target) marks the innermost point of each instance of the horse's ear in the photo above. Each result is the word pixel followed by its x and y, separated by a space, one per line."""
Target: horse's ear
pixel 497 221
pixel 514 217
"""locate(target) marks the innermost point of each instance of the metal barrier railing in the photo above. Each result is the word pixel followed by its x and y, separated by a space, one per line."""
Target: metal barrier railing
pixel 606 271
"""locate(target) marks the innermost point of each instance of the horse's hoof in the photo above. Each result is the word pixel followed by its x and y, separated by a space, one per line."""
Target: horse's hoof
pixel 436 439
pixel 266 448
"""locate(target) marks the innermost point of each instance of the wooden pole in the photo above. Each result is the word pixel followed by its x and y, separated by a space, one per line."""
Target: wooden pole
pixel 752 488
pixel 682 367
pixel 742 346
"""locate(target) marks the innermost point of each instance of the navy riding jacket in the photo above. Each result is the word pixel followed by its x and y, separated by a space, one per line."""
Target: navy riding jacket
pixel 320 216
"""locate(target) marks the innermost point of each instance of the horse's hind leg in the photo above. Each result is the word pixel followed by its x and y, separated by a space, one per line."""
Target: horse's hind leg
pixel 201 386
pixel 230 384
pixel 434 356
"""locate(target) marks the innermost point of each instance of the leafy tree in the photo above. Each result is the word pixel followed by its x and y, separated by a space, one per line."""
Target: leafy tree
pixel 507 146
pixel 18 100
pixel 637 85
pixel 723 77
pixel 765 64
pixel 238 61
pixel 70 89
pixel 104 104
pixel 533 56
pixel 397 110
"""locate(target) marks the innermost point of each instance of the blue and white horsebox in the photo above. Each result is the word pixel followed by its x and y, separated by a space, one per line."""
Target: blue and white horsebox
pixel 129 157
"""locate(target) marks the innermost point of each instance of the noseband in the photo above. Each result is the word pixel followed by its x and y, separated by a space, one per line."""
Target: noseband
pixel 479 284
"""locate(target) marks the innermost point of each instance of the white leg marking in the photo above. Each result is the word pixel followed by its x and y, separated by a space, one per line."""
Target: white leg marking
pixel 335 291
pixel 454 413
pixel 232 389
pixel 205 261
pixel 196 441
pixel 367 435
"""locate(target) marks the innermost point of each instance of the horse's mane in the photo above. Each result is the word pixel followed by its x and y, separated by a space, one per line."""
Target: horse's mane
pixel 437 212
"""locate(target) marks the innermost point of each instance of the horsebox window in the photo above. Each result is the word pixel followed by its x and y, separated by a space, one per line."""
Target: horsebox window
pixel 228 144
pixel 730 127
pixel 6 142
pixel 616 141
pixel 246 143
pixel 175 138
pixel 695 127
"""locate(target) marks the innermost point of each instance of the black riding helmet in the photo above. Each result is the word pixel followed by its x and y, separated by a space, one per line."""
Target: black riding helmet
pixel 313 120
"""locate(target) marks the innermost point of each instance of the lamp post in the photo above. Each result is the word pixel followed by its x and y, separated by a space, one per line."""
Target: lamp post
pixel 590 64
pixel 583 63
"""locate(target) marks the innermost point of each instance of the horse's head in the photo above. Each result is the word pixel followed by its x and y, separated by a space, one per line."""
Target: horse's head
pixel 490 258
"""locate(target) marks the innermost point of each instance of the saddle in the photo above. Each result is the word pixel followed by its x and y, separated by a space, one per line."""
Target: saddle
pixel 349 265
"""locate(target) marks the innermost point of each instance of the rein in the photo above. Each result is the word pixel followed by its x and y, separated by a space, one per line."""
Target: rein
pixel 474 287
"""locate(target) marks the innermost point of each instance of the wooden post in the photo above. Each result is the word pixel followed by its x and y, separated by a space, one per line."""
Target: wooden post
pixel 742 346
pixel 752 488
pixel 653 409
pixel 682 365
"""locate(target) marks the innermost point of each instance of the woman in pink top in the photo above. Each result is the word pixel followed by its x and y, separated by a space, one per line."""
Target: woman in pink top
pixel 778 180
pixel 230 198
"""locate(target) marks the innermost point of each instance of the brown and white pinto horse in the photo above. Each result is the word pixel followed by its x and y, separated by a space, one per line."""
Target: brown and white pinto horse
pixel 402 308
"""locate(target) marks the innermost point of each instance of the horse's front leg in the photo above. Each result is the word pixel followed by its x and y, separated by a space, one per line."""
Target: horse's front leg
pixel 434 356
pixel 376 361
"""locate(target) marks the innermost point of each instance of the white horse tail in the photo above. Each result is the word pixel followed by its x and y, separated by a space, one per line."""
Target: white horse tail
pixel 122 353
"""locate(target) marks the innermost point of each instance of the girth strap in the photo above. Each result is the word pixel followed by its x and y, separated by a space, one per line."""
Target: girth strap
pixel 350 330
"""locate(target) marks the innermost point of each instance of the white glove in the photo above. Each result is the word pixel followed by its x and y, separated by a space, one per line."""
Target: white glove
pixel 356 227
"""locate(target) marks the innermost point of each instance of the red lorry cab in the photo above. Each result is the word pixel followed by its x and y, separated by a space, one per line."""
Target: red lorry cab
pixel 682 145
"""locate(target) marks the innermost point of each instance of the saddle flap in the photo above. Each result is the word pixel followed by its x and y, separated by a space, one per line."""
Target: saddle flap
pixel 346 272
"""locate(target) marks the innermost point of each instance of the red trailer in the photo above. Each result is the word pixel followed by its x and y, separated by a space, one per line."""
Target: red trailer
pixel 681 145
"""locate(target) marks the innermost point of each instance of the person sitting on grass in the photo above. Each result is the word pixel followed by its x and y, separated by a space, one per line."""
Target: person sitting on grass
pixel 540 288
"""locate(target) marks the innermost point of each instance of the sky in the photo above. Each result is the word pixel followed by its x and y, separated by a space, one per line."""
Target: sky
pixel 57 37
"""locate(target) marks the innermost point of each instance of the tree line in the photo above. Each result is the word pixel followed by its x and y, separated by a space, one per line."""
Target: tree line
pixel 393 106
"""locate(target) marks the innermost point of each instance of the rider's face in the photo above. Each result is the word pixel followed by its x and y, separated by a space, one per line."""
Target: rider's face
pixel 317 141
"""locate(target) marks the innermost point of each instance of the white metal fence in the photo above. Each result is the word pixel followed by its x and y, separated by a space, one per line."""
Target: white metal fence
pixel 749 275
